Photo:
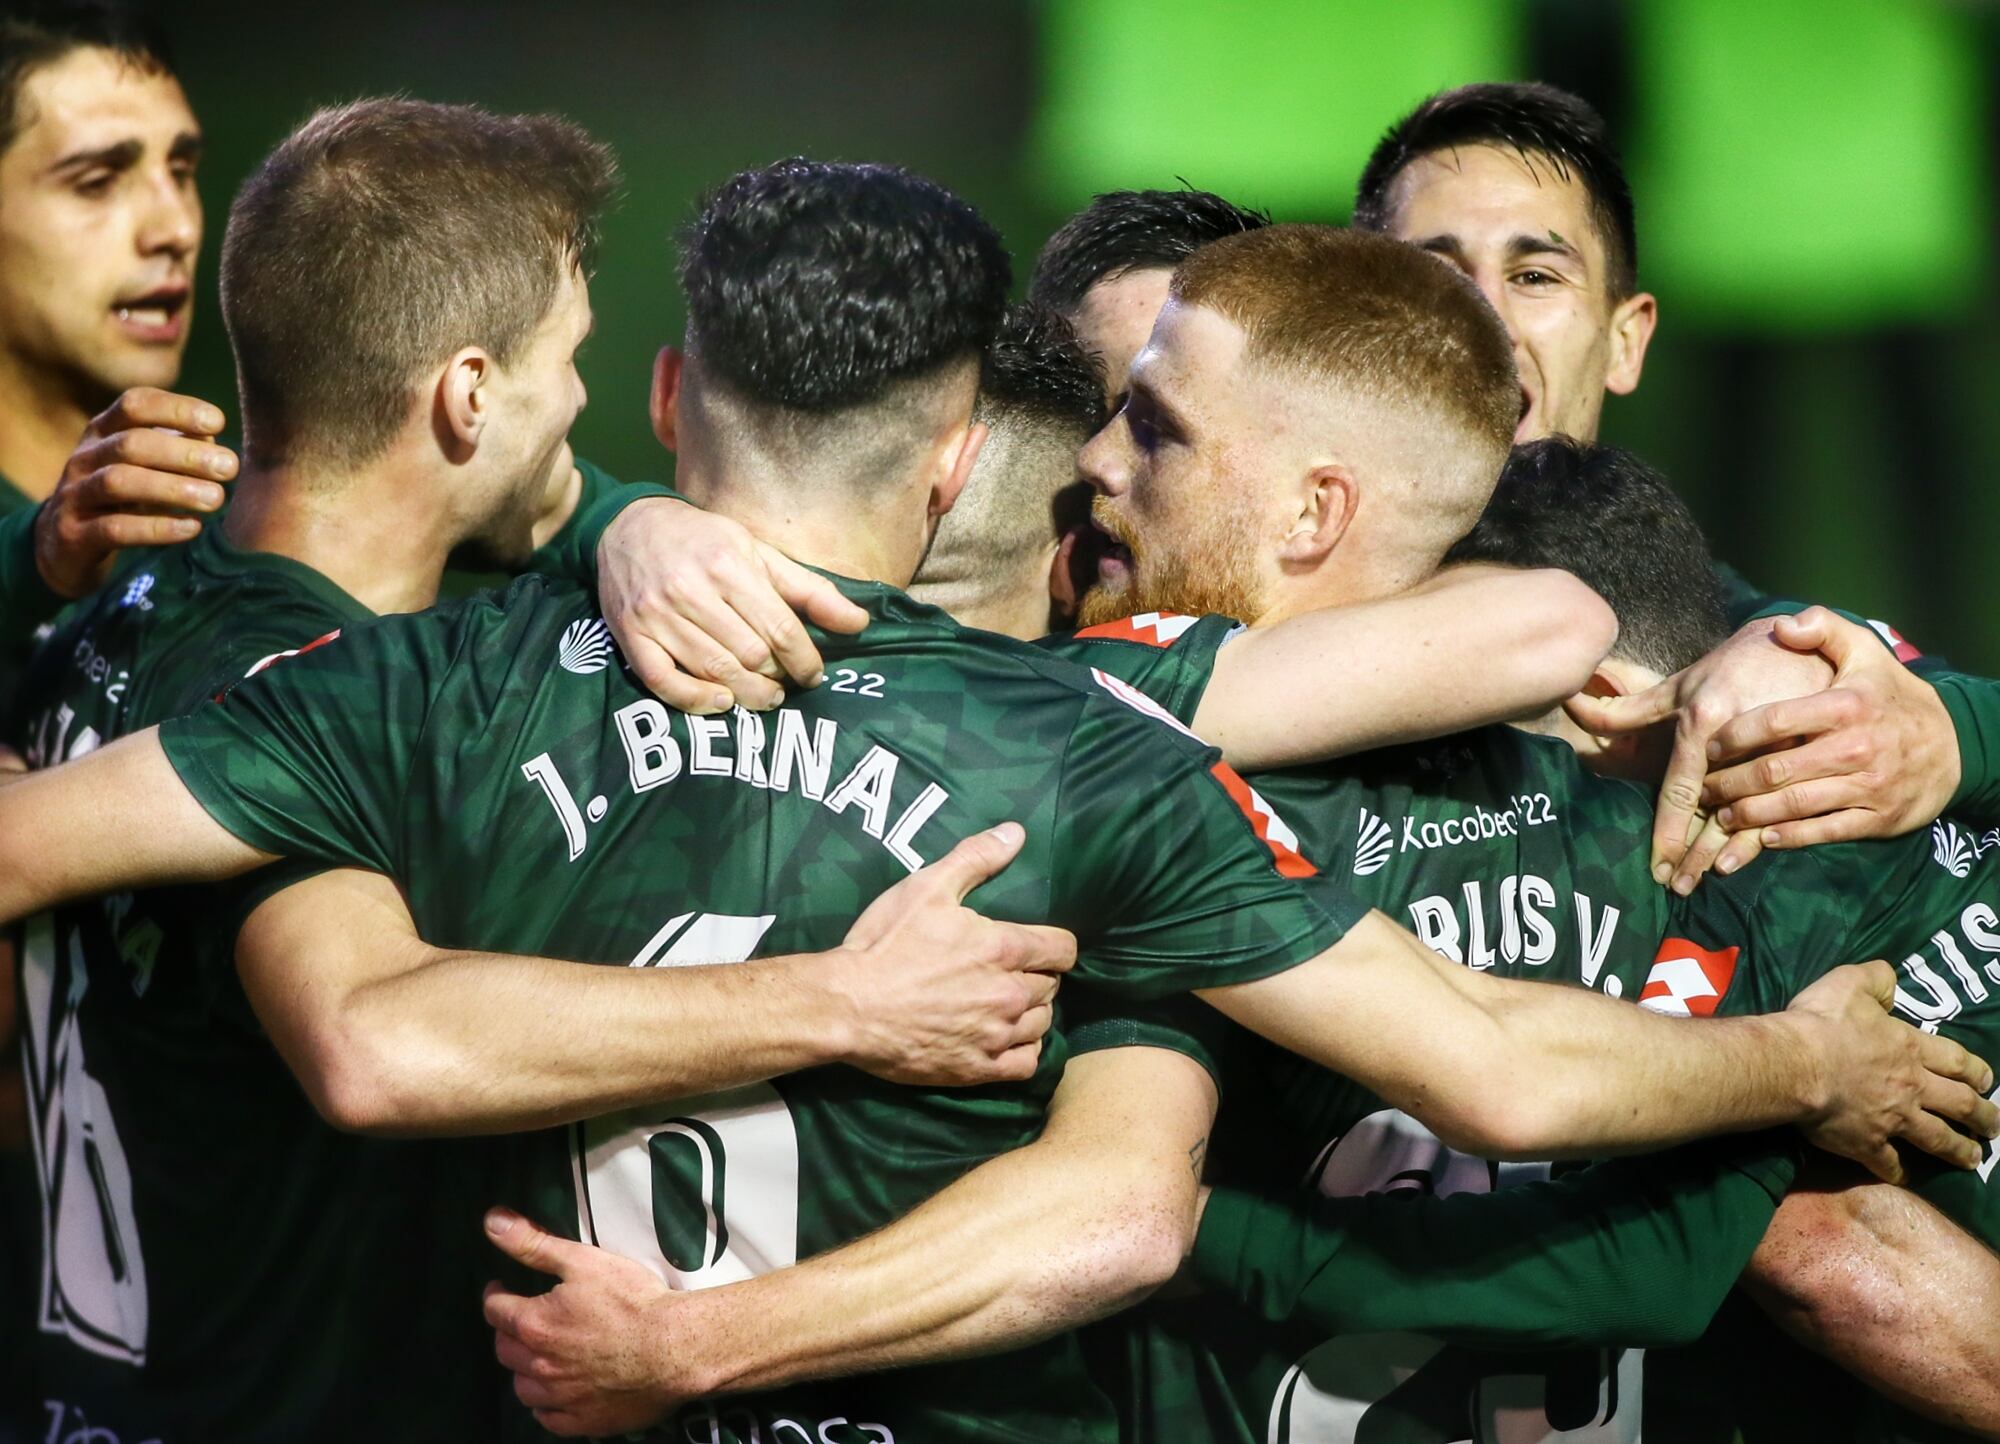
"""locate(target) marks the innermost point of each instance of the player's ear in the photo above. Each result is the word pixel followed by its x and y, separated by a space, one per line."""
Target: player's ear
pixel 464 402
pixel 1326 508
pixel 961 454
pixel 1641 755
pixel 1632 323
pixel 663 403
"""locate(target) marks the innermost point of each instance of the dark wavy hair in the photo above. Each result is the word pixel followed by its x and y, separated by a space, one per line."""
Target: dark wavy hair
pixel 817 286
pixel 1123 231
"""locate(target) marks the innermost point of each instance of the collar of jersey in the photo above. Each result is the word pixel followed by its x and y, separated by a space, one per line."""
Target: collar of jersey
pixel 216 554
pixel 884 602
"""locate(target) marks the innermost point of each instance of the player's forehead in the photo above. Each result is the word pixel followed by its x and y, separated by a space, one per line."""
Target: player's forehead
pixel 93 99
pixel 1117 314
pixel 1193 359
pixel 1486 196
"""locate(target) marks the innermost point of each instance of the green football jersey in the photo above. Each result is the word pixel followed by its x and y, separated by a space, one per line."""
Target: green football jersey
pixel 1928 903
pixel 1500 852
pixel 15 636
pixel 530 796
pixel 218 1263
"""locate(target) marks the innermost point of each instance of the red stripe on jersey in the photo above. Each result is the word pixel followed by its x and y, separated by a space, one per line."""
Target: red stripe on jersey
pixel 1269 827
pixel 277 657
pixel 1688 981
pixel 1152 629
pixel 1903 650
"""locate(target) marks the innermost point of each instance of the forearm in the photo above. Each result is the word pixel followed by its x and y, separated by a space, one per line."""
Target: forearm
pixel 1887 1287
pixel 1590 1076
pixel 25 599
pixel 1476 645
pixel 1085 1221
pixel 1632 1253
pixel 466 1042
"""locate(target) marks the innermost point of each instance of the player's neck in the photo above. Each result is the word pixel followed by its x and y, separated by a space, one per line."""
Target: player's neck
pixel 1021 612
pixel 832 532
pixel 360 530
pixel 1339 582
pixel 40 423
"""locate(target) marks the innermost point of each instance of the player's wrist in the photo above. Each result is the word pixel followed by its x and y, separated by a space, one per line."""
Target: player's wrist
pixel 1801 1047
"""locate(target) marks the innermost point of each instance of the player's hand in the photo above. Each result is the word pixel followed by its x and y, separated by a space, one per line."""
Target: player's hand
pixel 1884 1079
pixel 707 615
pixel 596 1354
pixel 146 460
pixel 1752 668
pixel 940 995
pixel 1875 755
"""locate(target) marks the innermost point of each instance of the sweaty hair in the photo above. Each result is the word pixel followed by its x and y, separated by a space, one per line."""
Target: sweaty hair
pixel 35 35
pixel 1366 312
pixel 379 238
pixel 1037 374
pixel 1613 522
pixel 1122 231
pixel 1533 119
pixel 818 286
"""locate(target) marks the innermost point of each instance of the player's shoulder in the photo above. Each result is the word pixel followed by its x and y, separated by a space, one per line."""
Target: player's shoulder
pixel 1155 631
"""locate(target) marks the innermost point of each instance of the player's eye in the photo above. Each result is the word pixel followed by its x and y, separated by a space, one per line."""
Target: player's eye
pixel 1535 276
pixel 94 184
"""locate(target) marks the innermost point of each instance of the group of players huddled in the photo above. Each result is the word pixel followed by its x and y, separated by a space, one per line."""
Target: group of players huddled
pixel 1248 622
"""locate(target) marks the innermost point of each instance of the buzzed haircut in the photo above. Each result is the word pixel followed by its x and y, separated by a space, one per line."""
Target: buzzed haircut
pixel 816 286
pixel 1613 522
pixel 379 238
pixel 1122 231
pixel 1367 312
pixel 1536 121
pixel 1041 395
pixel 35 35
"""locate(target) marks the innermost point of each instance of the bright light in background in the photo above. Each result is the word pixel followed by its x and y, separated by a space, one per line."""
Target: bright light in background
pixel 1275 103
pixel 1809 163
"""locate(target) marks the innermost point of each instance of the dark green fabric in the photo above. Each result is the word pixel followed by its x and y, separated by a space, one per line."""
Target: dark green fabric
pixel 614 830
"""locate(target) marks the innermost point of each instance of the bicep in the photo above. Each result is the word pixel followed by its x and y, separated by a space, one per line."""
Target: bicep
pixel 1148 1102
pixel 117 819
pixel 303 950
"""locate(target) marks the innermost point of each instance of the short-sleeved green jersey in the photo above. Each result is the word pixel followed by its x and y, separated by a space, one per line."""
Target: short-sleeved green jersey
pixel 14 505
pixel 1499 851
pixel 218 1263
pixel 529 796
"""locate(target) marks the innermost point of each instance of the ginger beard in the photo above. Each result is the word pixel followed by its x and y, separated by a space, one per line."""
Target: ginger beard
pixel 1210 566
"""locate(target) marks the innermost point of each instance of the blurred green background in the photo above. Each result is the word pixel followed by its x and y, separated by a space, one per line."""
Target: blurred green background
pixel 1814 182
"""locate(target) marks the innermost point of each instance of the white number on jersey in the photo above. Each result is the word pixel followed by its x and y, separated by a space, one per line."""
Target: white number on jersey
pixel 703 1191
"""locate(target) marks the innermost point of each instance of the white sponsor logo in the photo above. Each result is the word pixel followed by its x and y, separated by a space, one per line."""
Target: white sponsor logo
pixel 1374 844
pixel 1685 983
pixel 1955 850
pixel 586 647
pixel 135 594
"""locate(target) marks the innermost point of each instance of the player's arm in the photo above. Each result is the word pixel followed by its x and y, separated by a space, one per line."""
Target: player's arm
pixel 115 819
pixel 1092 1216
pixel 391 1035
pixel 1503 1068
pixel 1889 1288
pixel 1636 1252
pixel 1476 644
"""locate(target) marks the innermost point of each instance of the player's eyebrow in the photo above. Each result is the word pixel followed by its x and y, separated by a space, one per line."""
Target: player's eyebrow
pixel 1546 244
pixel 121 156
pixel 1448 246
pixel 187 146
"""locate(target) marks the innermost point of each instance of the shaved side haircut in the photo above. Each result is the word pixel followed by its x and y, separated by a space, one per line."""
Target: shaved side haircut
pixel 379 238
pixel 829 307
pixel 1041 397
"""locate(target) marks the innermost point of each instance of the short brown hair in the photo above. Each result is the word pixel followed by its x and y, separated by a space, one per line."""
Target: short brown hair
pixel 1362 310
pixel 380 237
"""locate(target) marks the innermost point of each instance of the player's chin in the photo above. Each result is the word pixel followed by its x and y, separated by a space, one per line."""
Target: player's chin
pixel 1106 601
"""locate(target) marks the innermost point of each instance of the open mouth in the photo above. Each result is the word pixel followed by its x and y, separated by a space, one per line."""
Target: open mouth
pixel 158 315
pixel 1113 557
pixel 1521 424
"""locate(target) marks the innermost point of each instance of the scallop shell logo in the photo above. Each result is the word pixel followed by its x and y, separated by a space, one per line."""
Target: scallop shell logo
pixel 586 647
pixel 1372 844
pixel 1950 849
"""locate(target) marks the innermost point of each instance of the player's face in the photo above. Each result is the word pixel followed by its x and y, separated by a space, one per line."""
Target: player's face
pixel 1115 319
pixel 536 398
pixel 1179 476
pixel 1524 233
pixel 99 227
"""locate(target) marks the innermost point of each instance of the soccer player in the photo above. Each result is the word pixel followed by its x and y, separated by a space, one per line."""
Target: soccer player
pixel 1520 186
pixel 1170 880
pixel 159 1313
